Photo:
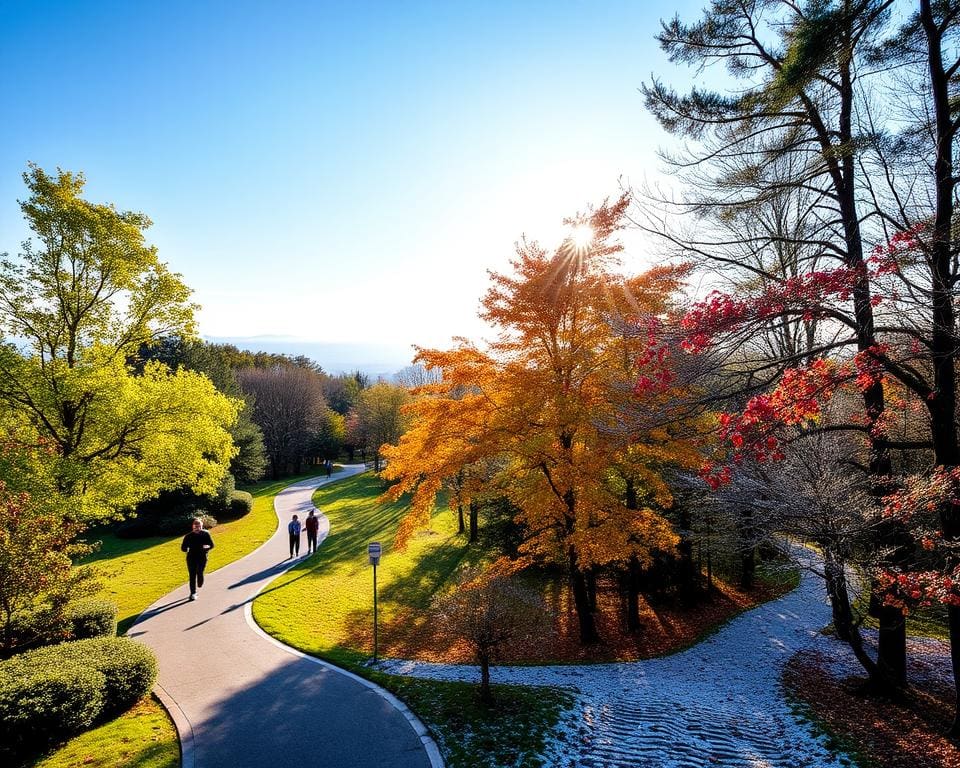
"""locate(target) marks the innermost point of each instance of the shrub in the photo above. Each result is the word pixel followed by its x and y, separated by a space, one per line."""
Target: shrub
pixel 35 627
pixel 163 525
pixel 240 504
pixel 92 618
pixel 128 667
pixel 45 698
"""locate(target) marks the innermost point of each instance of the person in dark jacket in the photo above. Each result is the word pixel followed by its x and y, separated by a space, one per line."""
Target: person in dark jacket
pixel 196 544
pixel 293 528
pixel 312 524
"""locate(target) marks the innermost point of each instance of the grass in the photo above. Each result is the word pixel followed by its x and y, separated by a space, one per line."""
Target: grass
pixel 838 744
pixel 324 605
pixel 142 737
pixel 512 732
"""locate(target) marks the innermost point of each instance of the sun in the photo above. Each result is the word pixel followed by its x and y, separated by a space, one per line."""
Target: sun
pixel 581 236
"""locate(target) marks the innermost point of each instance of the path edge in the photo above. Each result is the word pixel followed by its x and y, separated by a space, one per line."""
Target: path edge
pixel 182 725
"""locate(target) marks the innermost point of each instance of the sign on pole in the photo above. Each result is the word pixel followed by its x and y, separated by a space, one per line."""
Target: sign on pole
pixel 373 552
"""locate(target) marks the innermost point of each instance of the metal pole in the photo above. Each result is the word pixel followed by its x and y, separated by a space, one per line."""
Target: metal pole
pixel 374 611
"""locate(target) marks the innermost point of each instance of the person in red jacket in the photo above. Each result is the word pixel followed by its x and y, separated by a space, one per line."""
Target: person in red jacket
pixel 312 524
pixel 196 544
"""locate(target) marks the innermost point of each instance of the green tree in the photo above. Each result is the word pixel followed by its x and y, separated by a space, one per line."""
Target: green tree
pixel 331 430
pixel 220 363
pixel 379 417
pixel 81 300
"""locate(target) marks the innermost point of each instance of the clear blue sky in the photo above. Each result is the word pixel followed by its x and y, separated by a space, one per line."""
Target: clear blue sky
pixel 338 172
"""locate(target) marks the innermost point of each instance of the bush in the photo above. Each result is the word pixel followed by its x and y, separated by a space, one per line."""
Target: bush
pixel 36 627
pixel 45 698
pixel 240 504
pixel 92 618
pixel 163 525
pixel 128 667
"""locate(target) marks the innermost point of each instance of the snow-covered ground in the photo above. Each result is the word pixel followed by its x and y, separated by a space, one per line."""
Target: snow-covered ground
pixel 718 703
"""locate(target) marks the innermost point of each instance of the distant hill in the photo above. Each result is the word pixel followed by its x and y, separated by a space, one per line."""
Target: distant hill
pixel 373 359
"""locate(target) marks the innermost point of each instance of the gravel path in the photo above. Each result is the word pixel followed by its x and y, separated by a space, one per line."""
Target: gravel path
pixel 718 703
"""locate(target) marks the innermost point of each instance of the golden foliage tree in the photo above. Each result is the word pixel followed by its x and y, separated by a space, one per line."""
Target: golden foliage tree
pixel 546 401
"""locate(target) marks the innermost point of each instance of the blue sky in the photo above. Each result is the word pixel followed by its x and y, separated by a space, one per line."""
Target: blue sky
pixel 339 173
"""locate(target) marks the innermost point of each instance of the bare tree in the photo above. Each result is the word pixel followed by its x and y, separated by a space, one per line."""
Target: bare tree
pixel 288 405
pixel 489 613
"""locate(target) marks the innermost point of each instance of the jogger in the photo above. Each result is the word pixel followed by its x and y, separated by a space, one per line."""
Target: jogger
pixel 196 544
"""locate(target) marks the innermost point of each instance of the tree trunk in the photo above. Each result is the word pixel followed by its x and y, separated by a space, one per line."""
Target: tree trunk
pixel 688 569
pixel 581 600
pixel 461 525
pixel 486 695
pixel 474 522
pixel 748 549
pixel 892 647
pixel 591 579
pixel 943 348
pixel 633 595
pixel 843 622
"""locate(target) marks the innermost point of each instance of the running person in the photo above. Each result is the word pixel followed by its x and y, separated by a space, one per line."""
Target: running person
pixel 196 544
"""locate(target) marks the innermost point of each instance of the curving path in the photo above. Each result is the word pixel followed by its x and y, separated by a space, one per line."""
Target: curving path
pixel 718 703
pixel 242 700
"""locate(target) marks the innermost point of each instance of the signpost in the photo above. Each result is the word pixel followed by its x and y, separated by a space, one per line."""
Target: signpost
pixel 373 552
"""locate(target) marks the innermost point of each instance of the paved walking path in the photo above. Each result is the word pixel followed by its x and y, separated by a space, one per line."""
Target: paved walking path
pixel 716 704
pixel 242 700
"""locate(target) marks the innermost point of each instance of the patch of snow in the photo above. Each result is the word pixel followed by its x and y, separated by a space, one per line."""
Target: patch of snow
pixel 719 703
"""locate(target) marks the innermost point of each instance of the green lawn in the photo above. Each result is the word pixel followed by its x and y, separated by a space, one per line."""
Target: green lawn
pixel 324 607
pixel 142 737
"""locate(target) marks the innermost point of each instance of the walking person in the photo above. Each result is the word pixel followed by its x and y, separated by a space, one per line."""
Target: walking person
pixel 196 544
pixel 293 528
pixel 328 465
pixel 312 524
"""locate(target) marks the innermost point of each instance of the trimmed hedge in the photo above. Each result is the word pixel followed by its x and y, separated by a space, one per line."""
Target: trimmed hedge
pixel 46 700
pixel 92 618
pixel 129 667
pixel 40 626
pixel 54 692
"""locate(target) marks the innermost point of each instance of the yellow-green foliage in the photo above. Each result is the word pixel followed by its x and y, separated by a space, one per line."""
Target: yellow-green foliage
pixel 85 295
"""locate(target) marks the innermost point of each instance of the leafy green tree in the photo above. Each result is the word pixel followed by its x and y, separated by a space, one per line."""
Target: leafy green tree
pixel 81 300
pixel 220 363
pixel 379 417
pixel 331 430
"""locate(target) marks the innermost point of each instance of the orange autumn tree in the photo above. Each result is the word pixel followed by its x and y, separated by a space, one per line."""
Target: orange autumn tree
pixel 542 407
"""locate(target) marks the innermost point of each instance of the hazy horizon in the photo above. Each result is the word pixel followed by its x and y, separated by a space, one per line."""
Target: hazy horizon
pixel 373 359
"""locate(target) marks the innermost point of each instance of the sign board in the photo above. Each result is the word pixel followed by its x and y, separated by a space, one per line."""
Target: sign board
pixel 373 552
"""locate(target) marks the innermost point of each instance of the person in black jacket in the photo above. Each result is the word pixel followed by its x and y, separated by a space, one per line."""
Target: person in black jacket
pixel 196 544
